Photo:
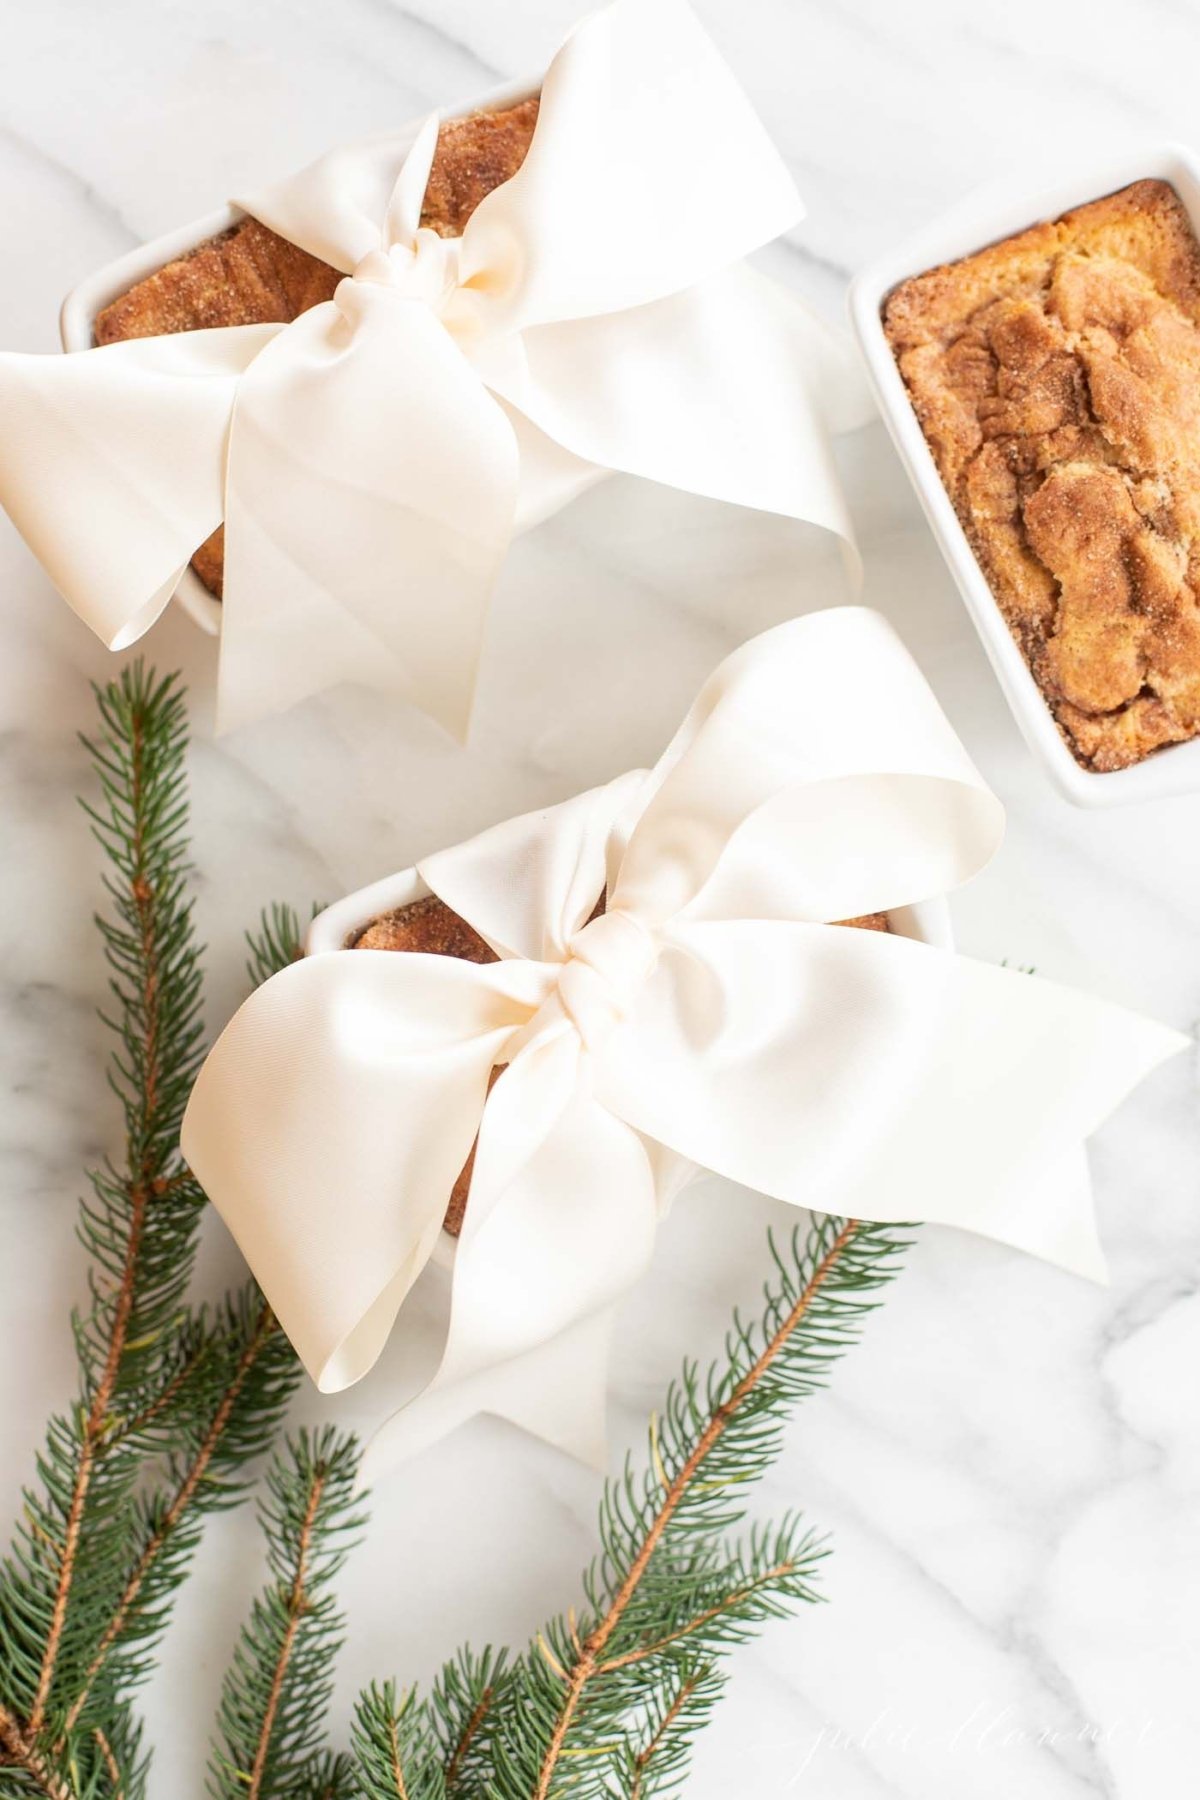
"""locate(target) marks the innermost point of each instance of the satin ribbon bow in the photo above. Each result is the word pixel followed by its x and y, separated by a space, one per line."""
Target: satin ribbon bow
pixel 710 1016
pixel 372 459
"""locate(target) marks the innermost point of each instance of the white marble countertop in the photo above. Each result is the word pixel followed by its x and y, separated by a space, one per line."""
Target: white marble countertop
pixel 1010 1464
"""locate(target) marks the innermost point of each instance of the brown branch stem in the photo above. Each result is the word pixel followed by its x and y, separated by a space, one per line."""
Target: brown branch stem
pixel 183 1497
pixel 397 1764
pixel 590 1661
pixel 20 1751
pixel 698 1623
pixel 85 1468
pixel 110 1763
pixel 650 1749
pixel 469 1733
pixel 140 1187
pixel 296 1607
pixel 157 1406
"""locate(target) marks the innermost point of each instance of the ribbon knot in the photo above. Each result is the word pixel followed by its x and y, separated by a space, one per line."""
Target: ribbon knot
pixel 426 270
pixel 607 962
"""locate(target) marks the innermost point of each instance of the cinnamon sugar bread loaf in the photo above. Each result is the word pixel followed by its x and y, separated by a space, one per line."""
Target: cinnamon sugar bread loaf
pixel 429 926
pixel 1056 376
pixel 251 276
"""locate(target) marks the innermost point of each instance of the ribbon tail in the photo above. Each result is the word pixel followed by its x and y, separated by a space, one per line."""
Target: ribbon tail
pixel 556 1391
pixel 370 500
pixel 722 390
pixel 112 465
pixel 1068 1198
pixel 551 477
pixel 867 1074
pixel 535 1282
pixel 834 372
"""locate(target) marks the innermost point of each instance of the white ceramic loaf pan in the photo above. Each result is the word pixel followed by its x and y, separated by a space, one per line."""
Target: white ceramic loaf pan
pixel 80 309
pixel 339 924
pixel 994 213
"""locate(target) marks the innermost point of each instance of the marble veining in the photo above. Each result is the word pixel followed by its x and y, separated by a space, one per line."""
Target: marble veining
pixel 1009 1465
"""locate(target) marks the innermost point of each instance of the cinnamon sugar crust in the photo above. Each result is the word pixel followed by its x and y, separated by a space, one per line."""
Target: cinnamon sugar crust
pixel 1056 376
pixel 429 926
pixel 249 275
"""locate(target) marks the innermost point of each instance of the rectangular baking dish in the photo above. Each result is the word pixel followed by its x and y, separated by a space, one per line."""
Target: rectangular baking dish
pixel 80 309
pixel 990 214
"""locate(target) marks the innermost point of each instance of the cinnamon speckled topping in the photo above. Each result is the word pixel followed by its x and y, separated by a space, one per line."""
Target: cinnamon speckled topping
pixel 251 276
pixel 1056 376
pixel 429 926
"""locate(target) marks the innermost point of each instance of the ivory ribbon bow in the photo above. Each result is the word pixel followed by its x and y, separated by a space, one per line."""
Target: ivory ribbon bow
pixel 710 1016
pixel 372 459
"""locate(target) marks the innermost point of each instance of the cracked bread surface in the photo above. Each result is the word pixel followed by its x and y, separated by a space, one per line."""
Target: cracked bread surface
pixel 429 927
pixel 1056 377
pixel 249 275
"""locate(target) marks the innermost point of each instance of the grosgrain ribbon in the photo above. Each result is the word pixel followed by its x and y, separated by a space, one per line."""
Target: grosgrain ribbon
pixel 712 1016
pixel 372 459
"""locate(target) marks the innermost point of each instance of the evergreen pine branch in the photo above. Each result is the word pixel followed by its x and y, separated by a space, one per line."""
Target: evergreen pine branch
pixel 608 1704
pixel 329 1777
pixel 396 1746
pixel 668 1596
pixel 463 1704
pixel 657 1556
pixel 139 1224
pixel 278 941
pixel 174 1402
pixel 407 1748
pixel 659 1762
pixel 277 1689
pixel 242 1375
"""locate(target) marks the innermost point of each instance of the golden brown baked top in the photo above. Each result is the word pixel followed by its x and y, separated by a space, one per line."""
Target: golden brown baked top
pixel 430 926
pixel 1056 376
pixel 251 276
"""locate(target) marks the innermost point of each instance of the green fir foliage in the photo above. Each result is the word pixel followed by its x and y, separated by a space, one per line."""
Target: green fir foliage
pixel 174 1401
pixel 276 1693
pixel 278 941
